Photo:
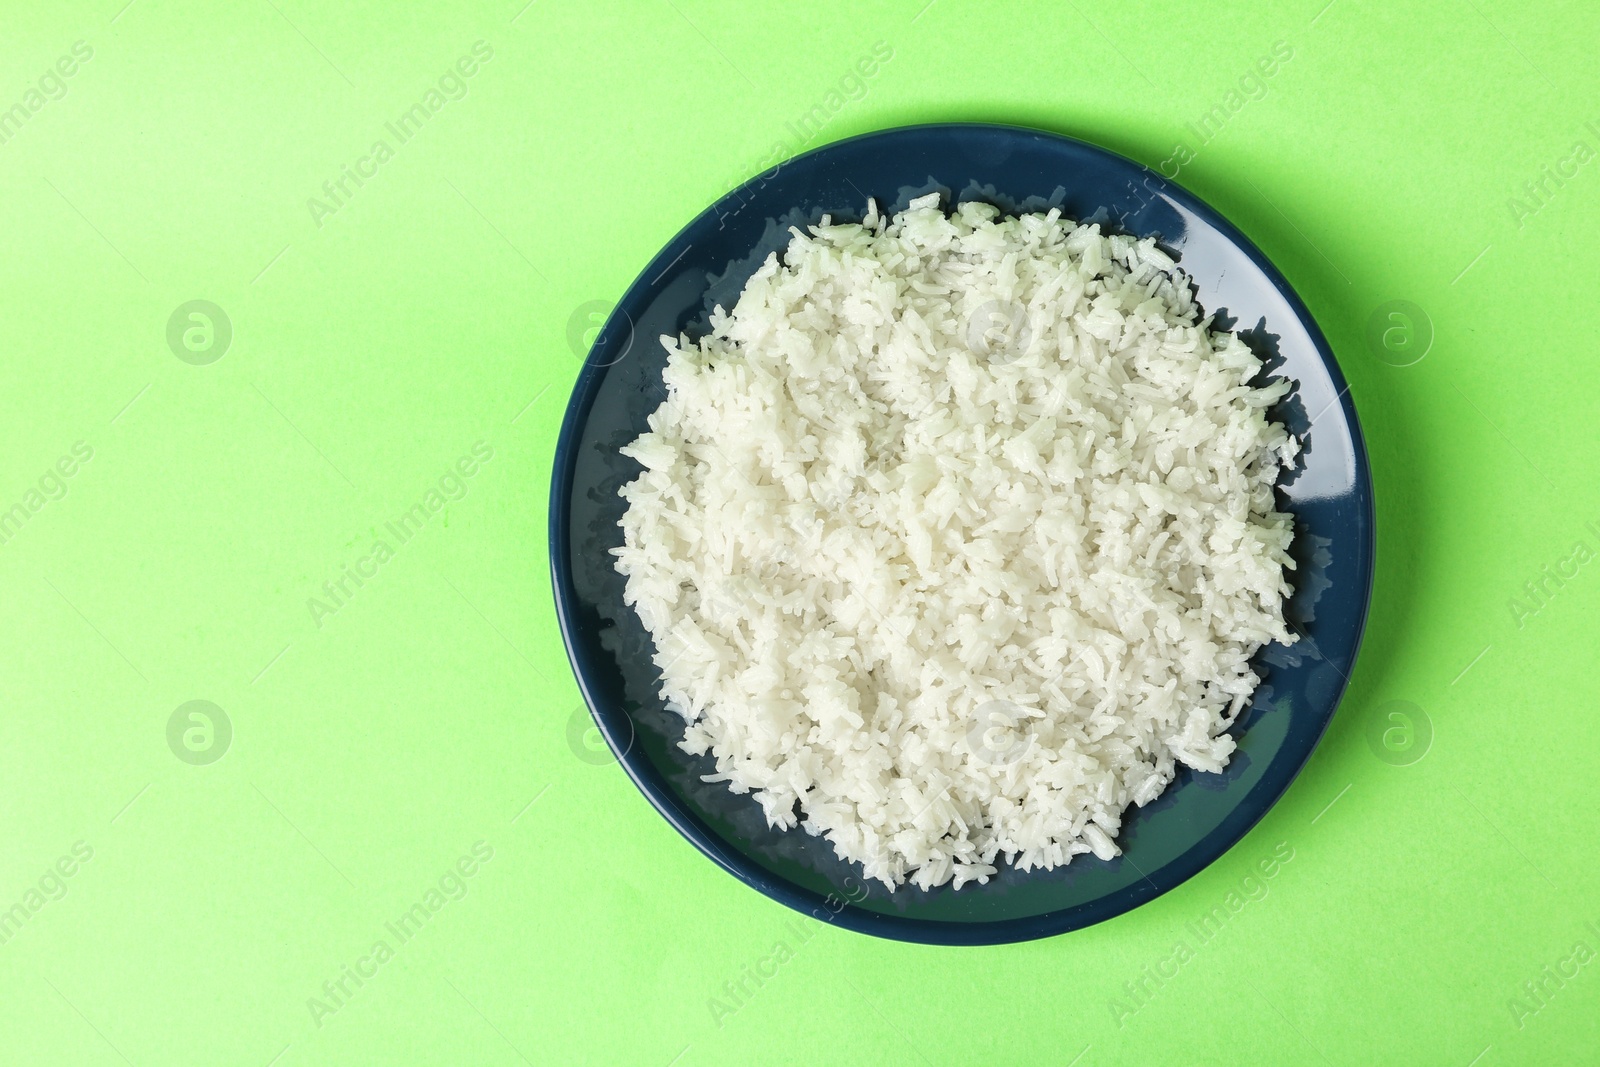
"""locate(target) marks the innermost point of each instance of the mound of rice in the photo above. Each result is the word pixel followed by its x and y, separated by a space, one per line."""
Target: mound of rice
pixel 956 536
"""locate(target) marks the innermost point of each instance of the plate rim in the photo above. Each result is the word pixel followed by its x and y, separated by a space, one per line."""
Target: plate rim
pixel 832 909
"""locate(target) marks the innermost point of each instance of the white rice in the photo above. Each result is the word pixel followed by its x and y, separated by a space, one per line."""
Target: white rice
pixel 956 537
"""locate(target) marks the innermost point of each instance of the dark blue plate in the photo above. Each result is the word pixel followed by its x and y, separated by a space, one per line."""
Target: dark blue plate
pixel 1200 816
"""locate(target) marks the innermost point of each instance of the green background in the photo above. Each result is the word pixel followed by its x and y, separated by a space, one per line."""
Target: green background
pixel 1434 870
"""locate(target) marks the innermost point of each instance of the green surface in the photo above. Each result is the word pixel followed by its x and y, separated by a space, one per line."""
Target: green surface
pixel 415 734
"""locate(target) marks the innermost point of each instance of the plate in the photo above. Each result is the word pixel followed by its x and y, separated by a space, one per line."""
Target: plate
pixel 1200 816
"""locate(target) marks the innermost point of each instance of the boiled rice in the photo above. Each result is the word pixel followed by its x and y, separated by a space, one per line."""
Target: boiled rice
pixel 956 537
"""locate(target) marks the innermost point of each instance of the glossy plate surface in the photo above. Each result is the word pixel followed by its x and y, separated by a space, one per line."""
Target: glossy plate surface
pixel 1200 816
